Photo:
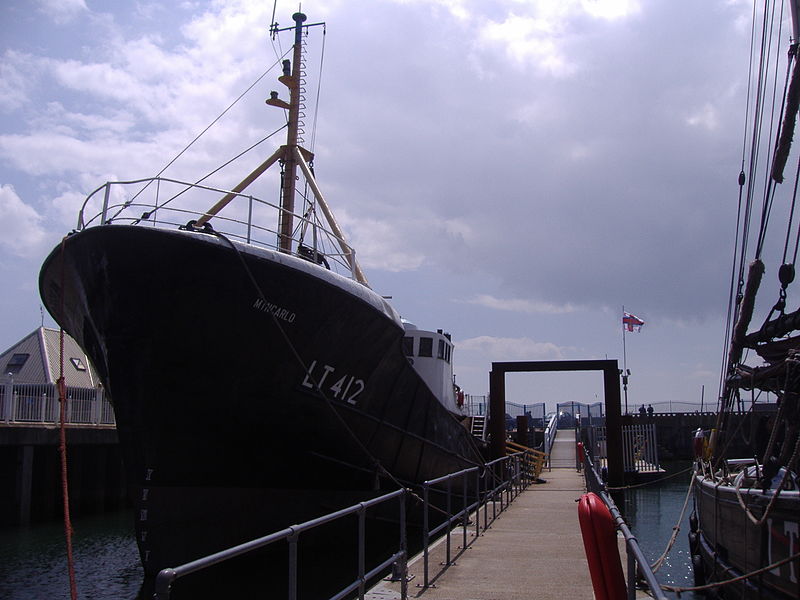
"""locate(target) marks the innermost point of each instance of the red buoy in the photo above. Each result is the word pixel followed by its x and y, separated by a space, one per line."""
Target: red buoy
pixel 602 552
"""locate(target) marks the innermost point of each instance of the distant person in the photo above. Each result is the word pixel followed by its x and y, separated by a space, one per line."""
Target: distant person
pixel 650 409
pixel 642 411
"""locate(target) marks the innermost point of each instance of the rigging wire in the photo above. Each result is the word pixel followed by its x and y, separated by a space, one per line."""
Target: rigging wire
pixel 769 184
pixel 791 217
pixel 127 203
pixel 319 89
pixel 745 212
pixel 149 214
pixel 755 143
pixel 761 126
pixel 734 292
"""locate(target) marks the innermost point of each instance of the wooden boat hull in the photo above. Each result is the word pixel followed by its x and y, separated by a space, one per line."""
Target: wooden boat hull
pixel 212 355
pixel 726 544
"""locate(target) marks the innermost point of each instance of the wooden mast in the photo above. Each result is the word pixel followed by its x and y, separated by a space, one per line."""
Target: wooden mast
pixel 290 164
pixel 292 155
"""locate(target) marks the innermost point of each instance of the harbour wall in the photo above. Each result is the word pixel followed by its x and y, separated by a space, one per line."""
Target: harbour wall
pixel 675 431
pixel 30 473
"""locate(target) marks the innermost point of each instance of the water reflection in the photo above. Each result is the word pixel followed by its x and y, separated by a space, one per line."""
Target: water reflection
pixel 33 560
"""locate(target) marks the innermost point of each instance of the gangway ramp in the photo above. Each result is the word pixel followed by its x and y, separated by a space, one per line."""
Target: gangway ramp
pixel 562 454
pixel 533 550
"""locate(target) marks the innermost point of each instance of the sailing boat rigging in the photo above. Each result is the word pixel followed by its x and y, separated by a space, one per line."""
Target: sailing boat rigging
pixel 745 532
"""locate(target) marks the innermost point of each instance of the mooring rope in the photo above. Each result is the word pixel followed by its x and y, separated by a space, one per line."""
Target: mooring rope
pixel 62 445
pixel 711 586
pixel 646 483
pixel 675 530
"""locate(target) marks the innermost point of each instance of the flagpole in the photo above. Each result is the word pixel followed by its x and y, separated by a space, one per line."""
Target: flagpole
pixel 624 351
pixel 624 372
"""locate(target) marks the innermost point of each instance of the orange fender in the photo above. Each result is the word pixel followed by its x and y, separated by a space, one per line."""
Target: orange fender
pixel 602 553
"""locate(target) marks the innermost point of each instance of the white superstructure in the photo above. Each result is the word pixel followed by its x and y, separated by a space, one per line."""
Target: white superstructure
pixel 431 354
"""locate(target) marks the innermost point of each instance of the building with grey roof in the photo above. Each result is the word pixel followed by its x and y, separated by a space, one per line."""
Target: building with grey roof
pixel 30 371
pixel 37 358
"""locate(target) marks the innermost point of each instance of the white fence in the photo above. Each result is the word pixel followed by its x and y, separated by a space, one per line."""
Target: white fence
pixel 25 403
pixel 639 446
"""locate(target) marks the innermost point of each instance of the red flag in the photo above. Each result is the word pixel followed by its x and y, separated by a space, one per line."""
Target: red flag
pixel 631 322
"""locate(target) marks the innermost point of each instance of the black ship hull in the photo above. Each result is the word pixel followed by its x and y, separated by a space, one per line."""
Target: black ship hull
pixel 252 390
pixel 726 544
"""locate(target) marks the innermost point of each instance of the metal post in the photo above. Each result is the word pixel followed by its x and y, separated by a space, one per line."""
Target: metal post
pixel 616 474
pixel 105 204
pixel 485 496
pixel 292 539
pixel 361 543
pixel 403 548
pixel 425 533
pixel 631 574
pixel 249 218
pixel 449 522
pixel 466 514
pixel 497 413
pixel 477 502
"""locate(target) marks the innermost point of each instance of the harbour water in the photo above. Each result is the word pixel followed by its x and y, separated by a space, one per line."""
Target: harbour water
pixel 33 559
pixel 651 512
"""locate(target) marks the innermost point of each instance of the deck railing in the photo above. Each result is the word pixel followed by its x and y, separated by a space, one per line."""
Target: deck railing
pixel 497 483
pixel 37 404
pixel 171 203
pixel 166 577
pixel 457 499
pixel 636 561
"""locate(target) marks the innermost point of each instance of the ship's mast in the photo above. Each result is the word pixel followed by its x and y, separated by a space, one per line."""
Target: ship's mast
pixel 292 156
pixel 290 164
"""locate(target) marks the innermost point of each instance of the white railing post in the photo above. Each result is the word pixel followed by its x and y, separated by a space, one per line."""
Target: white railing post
pixel 97 409
pixel 8 398
pixel 100 398
pixel 54 404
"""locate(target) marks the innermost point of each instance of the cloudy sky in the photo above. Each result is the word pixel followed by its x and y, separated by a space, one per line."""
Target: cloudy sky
pixel 511 171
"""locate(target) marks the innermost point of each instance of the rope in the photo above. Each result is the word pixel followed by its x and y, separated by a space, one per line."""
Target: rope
pixel 675 530
pixel 62 444
pixel 774 497
pixel 646 483
pixel 711 586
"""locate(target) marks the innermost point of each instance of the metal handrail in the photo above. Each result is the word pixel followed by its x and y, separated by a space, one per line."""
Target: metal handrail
pixel 166 577
pixel 550 436
pixel 636 559
pixel 502 479
pixel 154 209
